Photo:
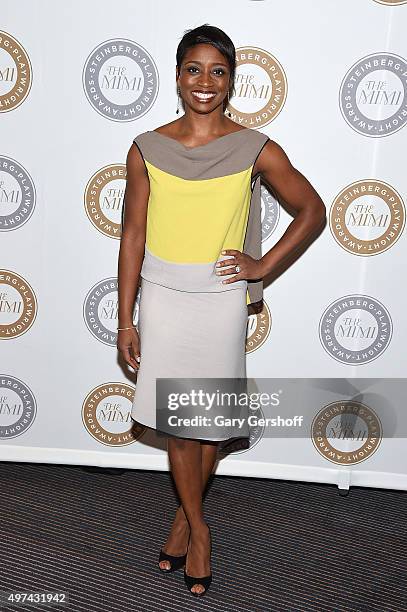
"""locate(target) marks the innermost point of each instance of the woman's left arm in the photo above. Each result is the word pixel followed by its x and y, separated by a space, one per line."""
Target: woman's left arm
pixel 277 170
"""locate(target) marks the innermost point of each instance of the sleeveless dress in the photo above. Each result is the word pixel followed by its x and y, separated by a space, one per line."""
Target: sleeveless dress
pixel 201 202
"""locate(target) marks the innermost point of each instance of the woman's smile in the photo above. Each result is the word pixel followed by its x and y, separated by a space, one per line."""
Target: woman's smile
pixel 202 96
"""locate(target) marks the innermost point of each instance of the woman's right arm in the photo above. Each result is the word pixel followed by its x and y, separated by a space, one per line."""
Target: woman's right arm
pixel 131 251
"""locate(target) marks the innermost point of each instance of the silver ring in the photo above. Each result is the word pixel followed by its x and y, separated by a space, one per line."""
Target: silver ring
pixel 238 269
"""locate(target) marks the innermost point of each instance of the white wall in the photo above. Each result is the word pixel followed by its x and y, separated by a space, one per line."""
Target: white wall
pixel 65 397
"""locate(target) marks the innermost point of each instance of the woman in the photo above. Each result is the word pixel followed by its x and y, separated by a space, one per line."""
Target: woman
pixel 185 221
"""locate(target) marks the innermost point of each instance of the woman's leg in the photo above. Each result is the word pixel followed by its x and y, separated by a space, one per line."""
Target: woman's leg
pixel 178 537
pixel 186 465
pixel 209 454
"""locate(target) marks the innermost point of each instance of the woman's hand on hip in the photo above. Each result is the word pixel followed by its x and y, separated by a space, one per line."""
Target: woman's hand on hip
pixel 248 268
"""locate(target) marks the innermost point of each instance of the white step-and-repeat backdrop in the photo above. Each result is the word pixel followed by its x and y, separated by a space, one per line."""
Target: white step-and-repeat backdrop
pixel 328 82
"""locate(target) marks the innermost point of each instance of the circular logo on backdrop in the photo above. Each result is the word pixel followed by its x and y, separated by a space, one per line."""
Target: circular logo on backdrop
pixel 258 328
pixel 392 2
pixel 104 196
pixel 120 80
pixel 15 73
pixel 17 194
pixel 106 415
pixel 346 432
pixel 100 311
pixel 355 329
pixel 18 407
pixel 18 305
pixel 373 95
pixel 260 88
pixel 270 213
pixel 367 217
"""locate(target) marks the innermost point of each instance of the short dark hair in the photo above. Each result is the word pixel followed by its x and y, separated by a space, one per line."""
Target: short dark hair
pixel 213 36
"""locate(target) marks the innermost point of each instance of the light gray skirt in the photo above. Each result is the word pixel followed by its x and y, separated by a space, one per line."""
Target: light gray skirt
pixel 188 335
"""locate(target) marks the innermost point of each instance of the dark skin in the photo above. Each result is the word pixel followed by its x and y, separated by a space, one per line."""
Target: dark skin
pixel 204 68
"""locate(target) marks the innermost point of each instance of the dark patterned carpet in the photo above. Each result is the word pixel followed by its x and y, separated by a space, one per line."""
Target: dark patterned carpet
pixel 277 545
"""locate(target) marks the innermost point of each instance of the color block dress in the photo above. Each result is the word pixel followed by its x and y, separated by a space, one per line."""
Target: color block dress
pixel 201 202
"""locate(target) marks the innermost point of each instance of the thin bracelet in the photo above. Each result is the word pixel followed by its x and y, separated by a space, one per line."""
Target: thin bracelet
pixel 132 327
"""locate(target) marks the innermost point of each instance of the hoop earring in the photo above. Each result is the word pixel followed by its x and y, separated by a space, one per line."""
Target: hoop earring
pixel 178 94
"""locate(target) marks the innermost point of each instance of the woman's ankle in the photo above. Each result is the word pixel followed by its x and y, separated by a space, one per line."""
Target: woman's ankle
pixel 199 526
pixel 180 515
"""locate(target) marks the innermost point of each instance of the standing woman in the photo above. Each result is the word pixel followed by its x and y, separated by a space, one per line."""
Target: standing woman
pixel 186 234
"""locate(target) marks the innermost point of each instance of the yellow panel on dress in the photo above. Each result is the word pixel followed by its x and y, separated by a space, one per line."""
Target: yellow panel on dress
pixel 208 206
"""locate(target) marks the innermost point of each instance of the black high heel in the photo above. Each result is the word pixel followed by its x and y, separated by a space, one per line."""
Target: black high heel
pixel 176 562
pixel 190 581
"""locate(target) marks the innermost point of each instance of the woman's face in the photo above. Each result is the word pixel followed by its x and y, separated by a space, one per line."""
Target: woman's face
pixel 203 78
